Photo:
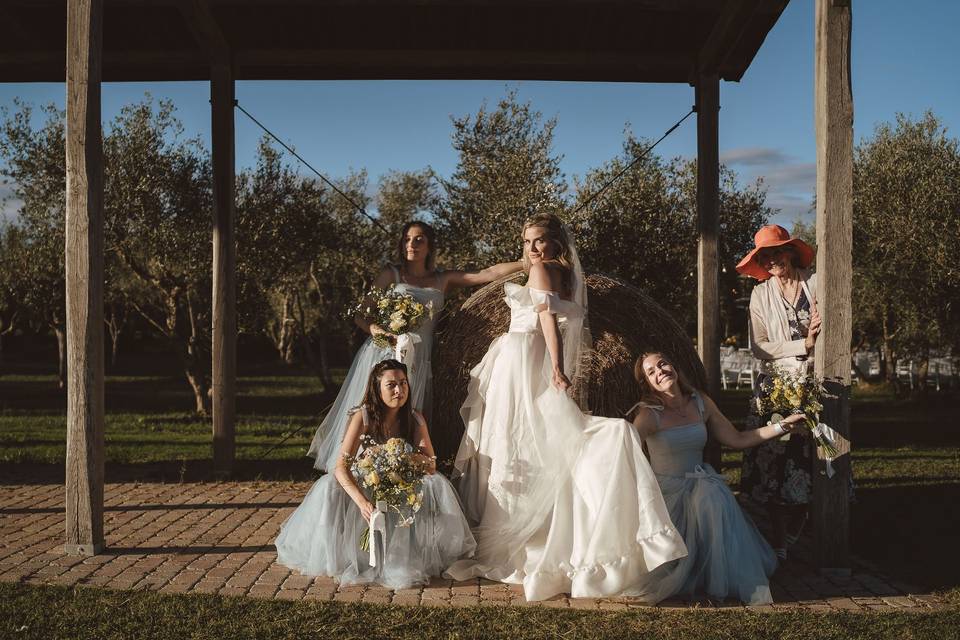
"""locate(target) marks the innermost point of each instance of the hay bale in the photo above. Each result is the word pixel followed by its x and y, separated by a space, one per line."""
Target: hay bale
pixel 623 321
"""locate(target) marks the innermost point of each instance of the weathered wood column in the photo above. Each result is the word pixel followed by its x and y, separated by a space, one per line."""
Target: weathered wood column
pixel 224 268
pixel 84 280
pixel 708 226
pixel 833 106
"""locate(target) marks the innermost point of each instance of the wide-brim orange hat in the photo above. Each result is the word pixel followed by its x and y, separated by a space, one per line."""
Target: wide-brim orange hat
pixel 773 235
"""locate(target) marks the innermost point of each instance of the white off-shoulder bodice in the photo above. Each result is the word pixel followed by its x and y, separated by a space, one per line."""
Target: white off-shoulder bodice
pixel 524 301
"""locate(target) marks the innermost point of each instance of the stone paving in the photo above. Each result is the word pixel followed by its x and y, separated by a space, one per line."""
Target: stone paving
pixel 218 538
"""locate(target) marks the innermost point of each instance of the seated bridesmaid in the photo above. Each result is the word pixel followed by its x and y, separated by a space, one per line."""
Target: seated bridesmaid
pixel 727 555
pixel 322 537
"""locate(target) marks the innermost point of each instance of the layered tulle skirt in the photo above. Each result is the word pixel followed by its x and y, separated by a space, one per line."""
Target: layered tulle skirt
pixel 322 537
pixel 727 556
pixel 562 502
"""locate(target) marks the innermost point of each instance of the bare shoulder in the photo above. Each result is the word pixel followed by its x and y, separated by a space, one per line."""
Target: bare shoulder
pixel 709 406
pixel 645 422
pixel 546 276
pixel 385 277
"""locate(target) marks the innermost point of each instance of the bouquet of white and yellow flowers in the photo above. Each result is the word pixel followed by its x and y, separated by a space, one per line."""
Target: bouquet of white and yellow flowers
pixel 392 477
pixel 795 392
pixel 393 310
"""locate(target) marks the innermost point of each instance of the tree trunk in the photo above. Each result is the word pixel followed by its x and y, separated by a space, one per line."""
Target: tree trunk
pixel 923 371
pixel 116 322
pixel 288 331
pixel 325 376
pixel 888 363
pixel 194 369
pixel 61 332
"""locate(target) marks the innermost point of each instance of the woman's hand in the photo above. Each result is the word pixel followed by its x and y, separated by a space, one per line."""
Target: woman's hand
pixel 428 464
pixel 377 330
pixel 813 331
pixel 367 509
pixel 560 380
pixel 792 421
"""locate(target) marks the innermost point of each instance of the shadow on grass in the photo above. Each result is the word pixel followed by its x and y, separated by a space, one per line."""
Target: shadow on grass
pixel 174 471
pixel 168 394
pixel 909 532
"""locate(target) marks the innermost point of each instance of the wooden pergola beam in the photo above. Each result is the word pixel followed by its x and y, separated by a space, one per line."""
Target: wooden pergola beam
pixel 729 28
pixel 708 229
pixel 203 26
pixel 833 112
pixel 84 280
pixel 224 268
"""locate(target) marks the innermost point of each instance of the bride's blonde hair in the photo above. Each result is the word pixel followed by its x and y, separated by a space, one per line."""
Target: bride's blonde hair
pixel 553 230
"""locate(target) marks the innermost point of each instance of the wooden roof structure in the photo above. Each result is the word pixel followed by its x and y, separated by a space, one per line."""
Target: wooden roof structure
pixel 595 40
pixel 699 42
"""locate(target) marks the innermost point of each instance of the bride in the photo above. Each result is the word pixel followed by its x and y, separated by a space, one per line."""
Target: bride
pixel 561 502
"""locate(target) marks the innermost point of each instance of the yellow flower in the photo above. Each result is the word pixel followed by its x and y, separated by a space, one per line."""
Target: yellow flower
pixel 394 477
pixel 412 499
pixel 372 479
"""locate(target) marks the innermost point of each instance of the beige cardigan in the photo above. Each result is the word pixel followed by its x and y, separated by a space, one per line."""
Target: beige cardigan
pixel 769 328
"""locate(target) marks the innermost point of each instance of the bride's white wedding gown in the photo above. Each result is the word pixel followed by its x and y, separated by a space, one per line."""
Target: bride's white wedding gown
pixel 561 502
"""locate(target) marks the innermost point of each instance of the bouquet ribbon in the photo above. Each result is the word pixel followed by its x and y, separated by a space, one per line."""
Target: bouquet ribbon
pixel 406 349
pixel 378 524
pixel 829 435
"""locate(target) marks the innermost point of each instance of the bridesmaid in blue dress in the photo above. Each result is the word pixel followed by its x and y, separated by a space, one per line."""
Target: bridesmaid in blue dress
pixel 416 274
pixel 727 556
pixel 322 537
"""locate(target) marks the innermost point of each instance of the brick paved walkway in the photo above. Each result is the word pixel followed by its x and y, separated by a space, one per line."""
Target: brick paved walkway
pixel 218 538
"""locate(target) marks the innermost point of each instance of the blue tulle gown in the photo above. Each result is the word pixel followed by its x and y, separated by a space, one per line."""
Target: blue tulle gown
pixel 322 537
pixel 727 556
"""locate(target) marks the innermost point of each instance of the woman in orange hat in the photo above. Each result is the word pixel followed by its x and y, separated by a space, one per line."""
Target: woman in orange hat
pixel 784 324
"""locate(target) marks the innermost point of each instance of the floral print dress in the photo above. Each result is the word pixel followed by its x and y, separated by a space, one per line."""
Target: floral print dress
pixel 780 470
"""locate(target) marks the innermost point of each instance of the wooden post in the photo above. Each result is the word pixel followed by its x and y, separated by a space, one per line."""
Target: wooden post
pixel 833 106
pixel 224 268
pixel 84 280
pixel 708 214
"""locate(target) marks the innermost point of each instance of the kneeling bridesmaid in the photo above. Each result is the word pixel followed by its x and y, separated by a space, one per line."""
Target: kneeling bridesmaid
pixel 727 555
pixel 322 537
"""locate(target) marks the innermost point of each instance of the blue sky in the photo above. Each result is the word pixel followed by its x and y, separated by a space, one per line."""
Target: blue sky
pixel 905 59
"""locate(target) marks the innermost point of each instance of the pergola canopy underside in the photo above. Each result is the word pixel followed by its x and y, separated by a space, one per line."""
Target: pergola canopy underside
pixel 595 40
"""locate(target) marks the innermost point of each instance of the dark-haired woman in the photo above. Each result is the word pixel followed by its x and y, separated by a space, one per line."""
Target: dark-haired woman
pixel 322 537
pixel 415 273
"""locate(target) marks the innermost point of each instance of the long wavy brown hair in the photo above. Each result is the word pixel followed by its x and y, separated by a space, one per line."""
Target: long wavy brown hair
pixel 376 409
pixel 431 236
pixel 553 228
pixel 649 397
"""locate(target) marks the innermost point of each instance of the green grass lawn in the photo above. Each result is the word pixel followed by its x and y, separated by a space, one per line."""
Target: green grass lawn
pixel 906 461
pixel 57 612
pixel 150 429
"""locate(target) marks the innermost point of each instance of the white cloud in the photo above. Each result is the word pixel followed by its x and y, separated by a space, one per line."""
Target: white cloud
pixel 753 156
pixel 790 184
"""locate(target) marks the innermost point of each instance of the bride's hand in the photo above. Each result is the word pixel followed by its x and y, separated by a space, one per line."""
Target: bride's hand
pixel 560 380
pixel 377 330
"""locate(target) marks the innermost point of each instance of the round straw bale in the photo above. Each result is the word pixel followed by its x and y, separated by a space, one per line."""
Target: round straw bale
pixel 623 320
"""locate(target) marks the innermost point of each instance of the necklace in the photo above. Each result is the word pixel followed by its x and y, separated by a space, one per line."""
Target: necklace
pixel 680 411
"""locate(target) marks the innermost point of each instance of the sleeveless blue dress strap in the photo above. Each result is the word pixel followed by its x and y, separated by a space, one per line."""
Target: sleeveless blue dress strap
pixel 700 408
